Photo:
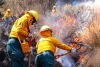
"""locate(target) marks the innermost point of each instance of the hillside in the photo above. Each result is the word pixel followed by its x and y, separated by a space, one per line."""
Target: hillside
pixel 80 20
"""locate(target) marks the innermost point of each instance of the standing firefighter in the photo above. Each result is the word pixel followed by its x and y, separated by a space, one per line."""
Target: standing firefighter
pixel 46 48
pixel 54 9
pixel 54 15
pixel 6 18
pixel 18 34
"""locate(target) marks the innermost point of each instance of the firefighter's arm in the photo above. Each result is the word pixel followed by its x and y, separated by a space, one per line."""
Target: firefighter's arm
pixel 22 28
pixel 63 46
pixel 22 32
pixel 60 45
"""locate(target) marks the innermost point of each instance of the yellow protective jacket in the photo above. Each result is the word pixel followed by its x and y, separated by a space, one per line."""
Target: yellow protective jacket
pixel 20 27
pixel 50 43
pixel 7 14
pixel 54 11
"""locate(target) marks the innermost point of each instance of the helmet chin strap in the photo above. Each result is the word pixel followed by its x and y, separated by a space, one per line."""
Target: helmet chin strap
pixel 34 21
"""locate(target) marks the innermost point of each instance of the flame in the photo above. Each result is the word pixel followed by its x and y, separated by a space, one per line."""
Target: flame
pixel 62 24
pixel 91 25
pixel 65 21
pixel 92 29
pixel 69 20
pixel 82 59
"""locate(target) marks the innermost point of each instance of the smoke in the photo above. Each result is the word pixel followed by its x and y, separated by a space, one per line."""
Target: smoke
pixel 97 3
pixel 71 20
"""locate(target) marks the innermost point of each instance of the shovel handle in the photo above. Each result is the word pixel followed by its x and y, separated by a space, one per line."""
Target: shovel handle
pixel 59 55
pixel 29 59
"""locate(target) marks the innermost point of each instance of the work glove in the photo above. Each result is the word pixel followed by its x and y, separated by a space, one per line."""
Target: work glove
pixel 73 50
pixel 30 35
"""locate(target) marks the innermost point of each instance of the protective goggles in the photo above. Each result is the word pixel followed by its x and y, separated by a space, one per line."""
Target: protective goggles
pixel 34 21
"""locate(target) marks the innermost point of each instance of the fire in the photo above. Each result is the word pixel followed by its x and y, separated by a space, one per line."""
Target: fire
pixel 82 59
pixel 69 20
pixel 86 21
pixel 65 21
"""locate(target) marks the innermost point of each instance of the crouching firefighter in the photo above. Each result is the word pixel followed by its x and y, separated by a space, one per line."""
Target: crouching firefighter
pixel 20 31
pixel 46 48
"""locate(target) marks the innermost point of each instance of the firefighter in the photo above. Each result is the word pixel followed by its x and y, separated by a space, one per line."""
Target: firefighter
pixel 46 48
pixel 54 9
pixel 5 18
pixel 20 31
pixel 54 15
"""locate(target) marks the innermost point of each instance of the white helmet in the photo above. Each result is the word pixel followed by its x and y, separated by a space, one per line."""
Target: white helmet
pixel 45 27
pixel 34 14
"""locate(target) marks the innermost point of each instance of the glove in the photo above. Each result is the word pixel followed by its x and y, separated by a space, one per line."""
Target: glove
pixel 73 50
pixel 30 35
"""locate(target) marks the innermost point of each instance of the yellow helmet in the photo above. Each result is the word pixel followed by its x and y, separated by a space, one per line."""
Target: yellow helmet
pixel 34 14
pixel 44 28
pixel 8 10
pixel 54 7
